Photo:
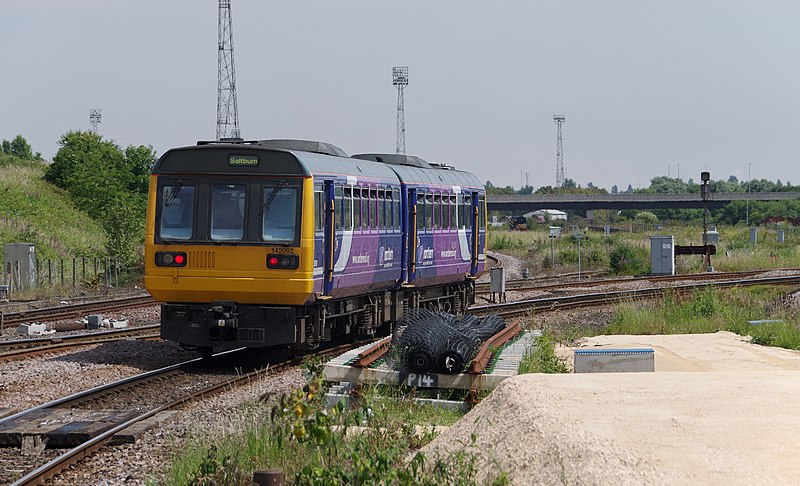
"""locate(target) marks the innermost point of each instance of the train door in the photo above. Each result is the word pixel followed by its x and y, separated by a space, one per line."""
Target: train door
pixel 474 236
pixel 330 239
pixel 482 228
pixel 411 235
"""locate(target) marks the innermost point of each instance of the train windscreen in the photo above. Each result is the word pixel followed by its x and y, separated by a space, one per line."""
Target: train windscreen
pixel 227 211
pixel 177 213
pixel 279 221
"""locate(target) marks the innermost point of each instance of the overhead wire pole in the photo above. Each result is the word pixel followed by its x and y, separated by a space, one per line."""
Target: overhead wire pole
pixel 400 79
pixel 227 106
pixel 559 119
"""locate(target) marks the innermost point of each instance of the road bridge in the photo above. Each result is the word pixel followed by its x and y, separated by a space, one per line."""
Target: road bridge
pixel 584 202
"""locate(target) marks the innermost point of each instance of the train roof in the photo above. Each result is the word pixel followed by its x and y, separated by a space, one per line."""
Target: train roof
pixel 436 176
pixel 268 157
pixel 305 158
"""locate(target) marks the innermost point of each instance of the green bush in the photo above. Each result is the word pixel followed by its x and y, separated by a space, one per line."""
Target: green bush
pixel 627 260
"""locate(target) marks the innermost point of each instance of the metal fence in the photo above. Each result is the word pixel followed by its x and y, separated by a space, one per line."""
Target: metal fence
pixel 74 272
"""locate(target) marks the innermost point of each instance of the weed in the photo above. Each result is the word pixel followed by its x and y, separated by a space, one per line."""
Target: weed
pixel 543 359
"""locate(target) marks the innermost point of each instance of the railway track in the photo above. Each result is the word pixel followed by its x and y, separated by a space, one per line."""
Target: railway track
pixel 519 285
pixel 483 287
pixel 26 348
pixel 71 311
pixel 549 304
pixel 119 393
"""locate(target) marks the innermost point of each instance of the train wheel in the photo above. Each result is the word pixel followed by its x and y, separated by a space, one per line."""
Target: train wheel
pixel 205 352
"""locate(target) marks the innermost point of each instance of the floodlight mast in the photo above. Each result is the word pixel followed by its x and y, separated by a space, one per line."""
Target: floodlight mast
pixel 227 106
pixel 559 119
pixel 400 79
pixel 95 117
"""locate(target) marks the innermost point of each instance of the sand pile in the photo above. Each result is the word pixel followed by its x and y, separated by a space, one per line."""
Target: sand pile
pixel 679 427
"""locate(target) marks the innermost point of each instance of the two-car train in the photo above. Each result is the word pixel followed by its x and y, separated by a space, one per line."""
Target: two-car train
pixel 287 242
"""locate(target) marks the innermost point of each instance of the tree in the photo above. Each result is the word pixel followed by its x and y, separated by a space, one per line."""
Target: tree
pixel 645 217
pixel 614 189
pixel 107 183
pixel 569 184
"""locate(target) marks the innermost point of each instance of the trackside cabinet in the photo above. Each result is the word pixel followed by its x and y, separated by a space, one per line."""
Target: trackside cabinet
pixel 662 255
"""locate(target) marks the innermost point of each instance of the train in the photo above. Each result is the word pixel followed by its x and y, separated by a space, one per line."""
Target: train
pixel 260 243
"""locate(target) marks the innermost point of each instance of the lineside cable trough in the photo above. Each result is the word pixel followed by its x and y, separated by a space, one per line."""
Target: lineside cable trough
pixel 435 356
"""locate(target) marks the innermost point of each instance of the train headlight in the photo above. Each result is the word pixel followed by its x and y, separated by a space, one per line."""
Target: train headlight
pixel 170 259
pixel 283 261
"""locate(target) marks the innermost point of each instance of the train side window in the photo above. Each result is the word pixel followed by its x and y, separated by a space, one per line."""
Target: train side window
pixel 227 212
pixel 357 208
pixel 364 209
pixel 482 211
pixel 453 212
pixel 347 208
pixel 319 210
pixel 339 209
pixel 459 205
pixel 437 212
pixel 177 212
pixel 373 208
pixel 396 209
pixel 420 212
pixel 429 209
pixel 468 211
pixel 279 209
pixel 381 216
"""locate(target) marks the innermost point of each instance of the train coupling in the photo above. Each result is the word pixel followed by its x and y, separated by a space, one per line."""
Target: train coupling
pixel 225 314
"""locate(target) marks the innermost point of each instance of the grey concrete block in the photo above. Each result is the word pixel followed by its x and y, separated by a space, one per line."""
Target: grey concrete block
pixel 118 324
pixel 32 329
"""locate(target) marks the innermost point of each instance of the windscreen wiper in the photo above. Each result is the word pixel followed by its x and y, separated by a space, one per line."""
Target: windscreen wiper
pixel 173 193
pixel 271 197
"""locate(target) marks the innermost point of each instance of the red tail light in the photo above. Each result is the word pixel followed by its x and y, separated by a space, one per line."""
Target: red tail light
pixel 283 261
pixel 170 259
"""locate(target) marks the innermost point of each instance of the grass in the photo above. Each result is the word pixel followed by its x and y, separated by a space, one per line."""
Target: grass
pixel 375 442
pixel 543 359
pixel 707 311
pixel 734 253
pixel 34 211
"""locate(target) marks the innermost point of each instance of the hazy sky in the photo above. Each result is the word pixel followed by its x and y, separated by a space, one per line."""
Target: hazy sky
pixel 705 84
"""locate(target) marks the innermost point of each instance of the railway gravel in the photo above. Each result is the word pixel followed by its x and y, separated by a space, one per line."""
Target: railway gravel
pixel 30 382
pixel 512 265
pixel 149 458
pixel 136 317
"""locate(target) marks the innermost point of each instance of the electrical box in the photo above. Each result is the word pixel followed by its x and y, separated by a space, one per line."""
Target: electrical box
pixel 19 265
pixel 753 236
pixel 713 236
pixel 662 255
pixel 781 235
pixel 497 280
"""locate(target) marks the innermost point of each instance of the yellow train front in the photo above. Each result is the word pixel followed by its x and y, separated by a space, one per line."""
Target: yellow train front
pixel 294 243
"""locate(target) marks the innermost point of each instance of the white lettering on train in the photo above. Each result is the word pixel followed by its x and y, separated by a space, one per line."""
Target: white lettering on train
pixel 361 259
